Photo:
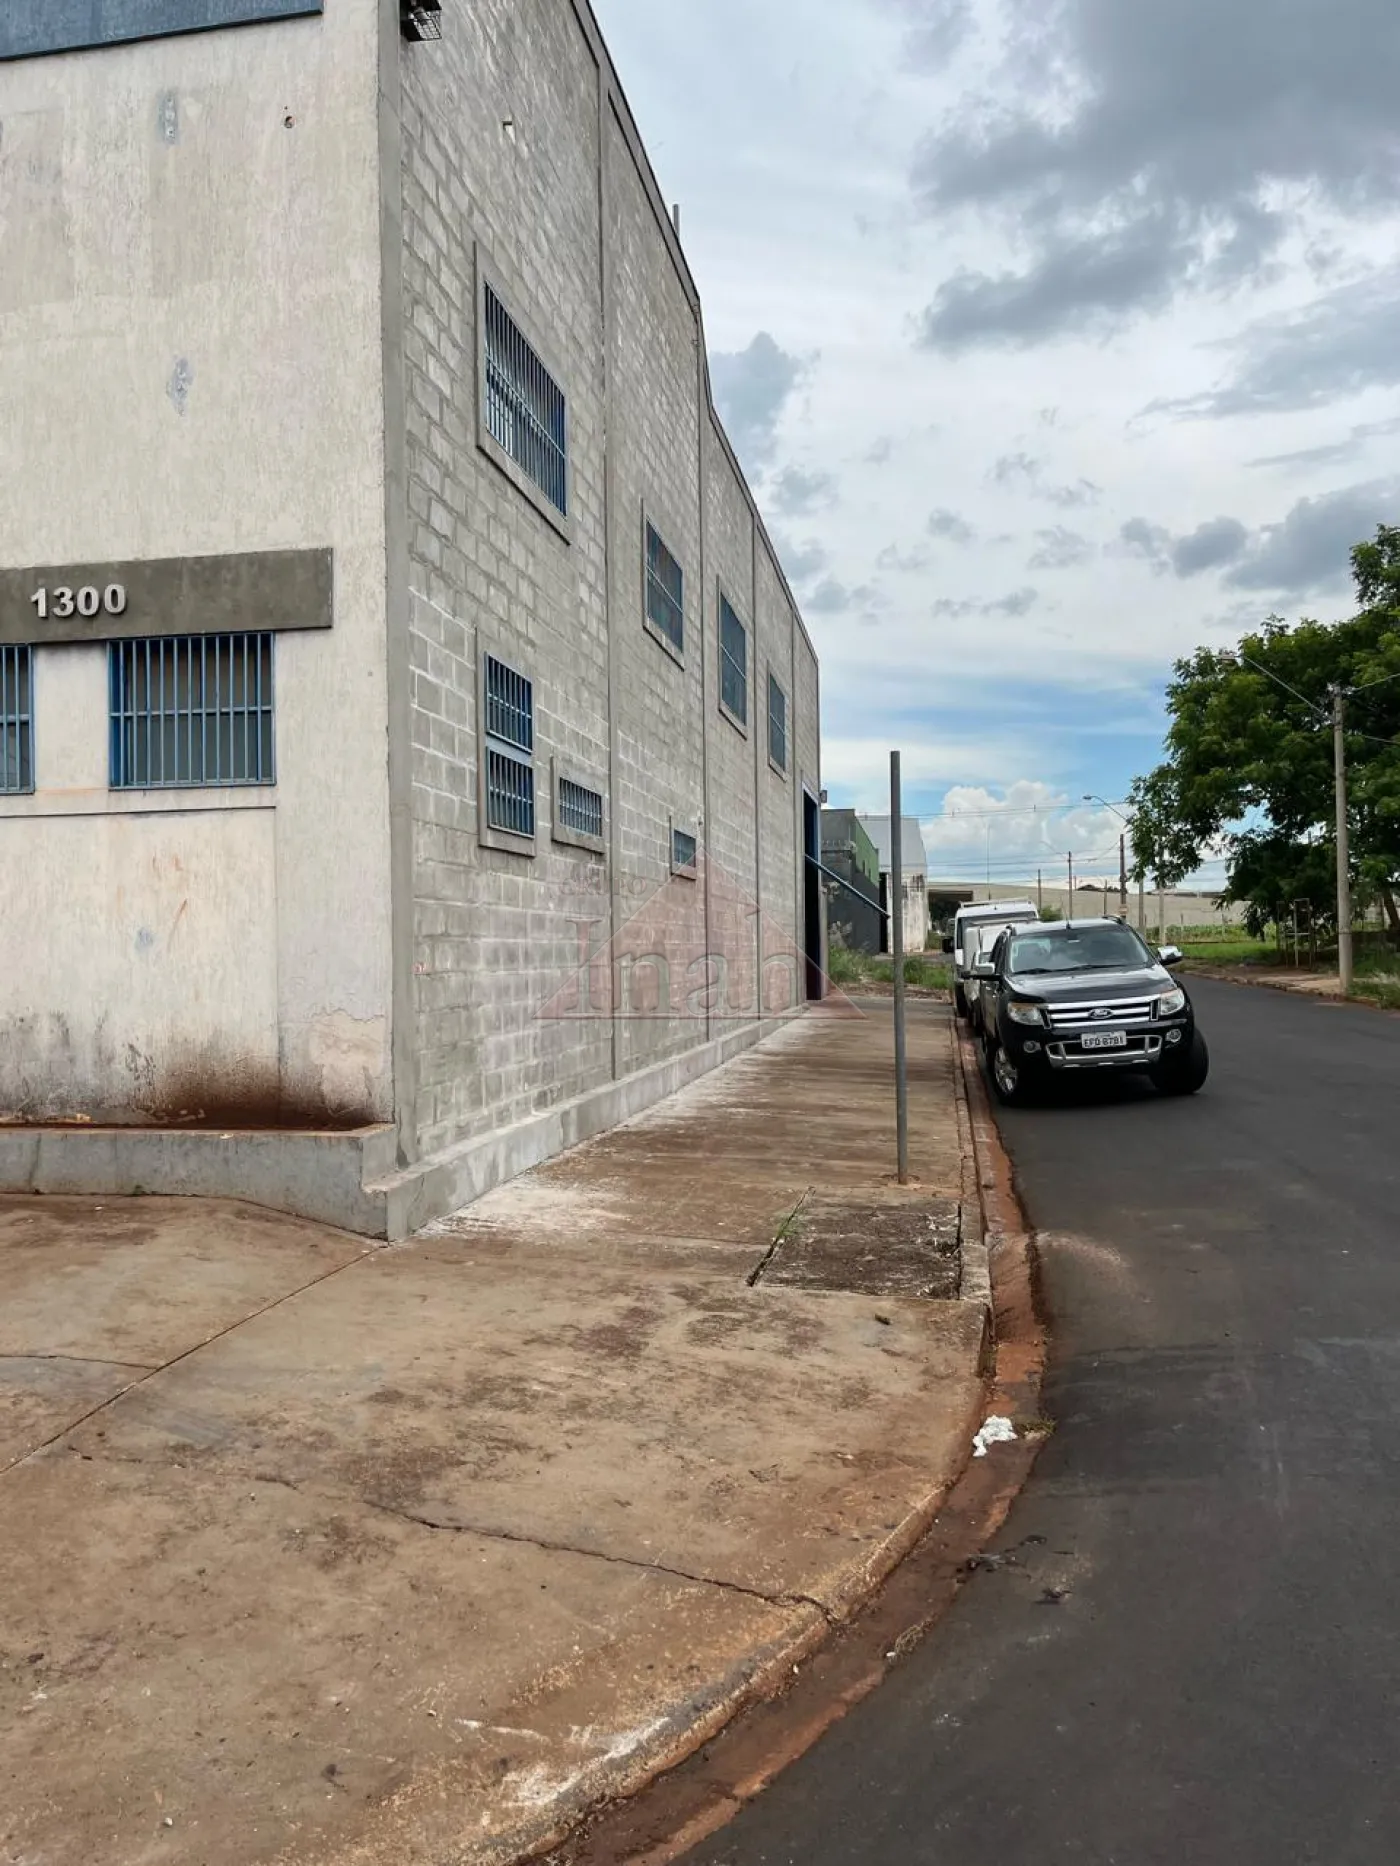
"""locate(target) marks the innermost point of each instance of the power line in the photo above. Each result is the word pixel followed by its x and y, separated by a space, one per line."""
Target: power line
pixel 1034 809
pixel 1014 863
pixel 1271 675
pixel 1384 681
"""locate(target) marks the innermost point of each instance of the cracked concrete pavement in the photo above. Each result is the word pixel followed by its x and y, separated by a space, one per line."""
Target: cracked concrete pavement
pixel 313 1551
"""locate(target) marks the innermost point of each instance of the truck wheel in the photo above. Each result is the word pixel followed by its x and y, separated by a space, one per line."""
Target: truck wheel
pixel 1186 1076
pixel 1013 1089
pixel 959 1001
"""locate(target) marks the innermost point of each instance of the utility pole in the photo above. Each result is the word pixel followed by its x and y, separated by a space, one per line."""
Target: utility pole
pixel 1039 892
pixel 1069 906
pixel 901 1067
pixel 1123 874
pixel 1344 953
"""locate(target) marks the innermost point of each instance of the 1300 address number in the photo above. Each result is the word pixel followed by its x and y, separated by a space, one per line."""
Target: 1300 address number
pixel 88 601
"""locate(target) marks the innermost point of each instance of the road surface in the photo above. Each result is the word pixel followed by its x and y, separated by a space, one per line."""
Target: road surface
pixel 1194 1656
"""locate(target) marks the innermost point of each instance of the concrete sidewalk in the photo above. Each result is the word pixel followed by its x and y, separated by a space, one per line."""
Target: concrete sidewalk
pixel 312 1552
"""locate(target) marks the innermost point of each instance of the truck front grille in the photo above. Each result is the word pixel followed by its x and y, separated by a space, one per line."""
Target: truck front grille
pixel 1121 1014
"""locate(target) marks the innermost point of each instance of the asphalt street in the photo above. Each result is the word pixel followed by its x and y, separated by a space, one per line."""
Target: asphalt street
pixel 1192 1653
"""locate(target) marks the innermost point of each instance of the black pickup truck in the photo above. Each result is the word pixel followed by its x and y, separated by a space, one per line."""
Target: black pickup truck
pixel 1083 995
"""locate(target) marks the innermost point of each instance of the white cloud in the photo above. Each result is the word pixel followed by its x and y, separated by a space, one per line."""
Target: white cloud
pixel 1010 833
pixel 791 137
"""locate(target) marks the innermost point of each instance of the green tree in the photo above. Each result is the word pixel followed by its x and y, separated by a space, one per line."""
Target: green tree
pixel 1249 764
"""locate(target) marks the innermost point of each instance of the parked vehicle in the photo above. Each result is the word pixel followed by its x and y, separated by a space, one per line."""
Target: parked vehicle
pixel 1087 995
pixel 982 971
pixel 961 943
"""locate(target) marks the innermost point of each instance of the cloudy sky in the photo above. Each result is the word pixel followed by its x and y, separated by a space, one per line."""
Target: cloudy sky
pixel 1057 336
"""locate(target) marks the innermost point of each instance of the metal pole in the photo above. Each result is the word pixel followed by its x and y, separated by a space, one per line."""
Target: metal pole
pixel 1069 905
pixel 1161 912
pixel 1344 953
pixel 901 1066
pixel 1039 892
pixel 1123 874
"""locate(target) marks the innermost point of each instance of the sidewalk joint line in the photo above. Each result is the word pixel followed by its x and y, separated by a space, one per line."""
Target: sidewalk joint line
pixel 421 1520
pixel 72 1425
pixel 81 1360
pixel 618 1561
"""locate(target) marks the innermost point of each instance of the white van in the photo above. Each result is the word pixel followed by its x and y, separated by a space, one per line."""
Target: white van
pixel 963 942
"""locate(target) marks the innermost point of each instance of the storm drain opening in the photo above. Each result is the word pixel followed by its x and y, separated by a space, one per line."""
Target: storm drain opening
pixel 881 1245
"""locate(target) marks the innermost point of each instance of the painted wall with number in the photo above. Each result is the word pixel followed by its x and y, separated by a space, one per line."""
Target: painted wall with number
pixel 191 363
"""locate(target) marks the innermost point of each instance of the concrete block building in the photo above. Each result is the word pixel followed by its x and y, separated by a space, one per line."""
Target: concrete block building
pixel 855 900
pixel 914 864
pixel 409 744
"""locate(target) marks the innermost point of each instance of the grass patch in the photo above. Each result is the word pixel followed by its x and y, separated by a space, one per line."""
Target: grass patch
pixel 1377 978
pixel 851 969
pixel 1382 991
pixel 1238 951
pixel 845 968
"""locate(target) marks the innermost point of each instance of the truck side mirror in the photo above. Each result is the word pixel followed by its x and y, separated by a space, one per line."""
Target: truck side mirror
pixel 1170 955
pixel 947 942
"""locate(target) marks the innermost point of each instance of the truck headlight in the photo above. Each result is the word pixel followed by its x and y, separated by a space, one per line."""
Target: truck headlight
pixel 1171 1002
pixel 1024 1013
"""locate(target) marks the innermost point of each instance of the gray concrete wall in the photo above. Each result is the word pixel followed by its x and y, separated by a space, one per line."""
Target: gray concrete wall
pixel 190 364
pixel 731 819
pixel 496 935
pixel 518 155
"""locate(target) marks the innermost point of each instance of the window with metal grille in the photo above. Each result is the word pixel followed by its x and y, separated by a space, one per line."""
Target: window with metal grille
pixel 580 809
pixel 526 413
pixel 665 591
pixel 733 662
pixel 683 851
pixel 777 724
pixel 16 719
pixel 192 710
pixel 510 749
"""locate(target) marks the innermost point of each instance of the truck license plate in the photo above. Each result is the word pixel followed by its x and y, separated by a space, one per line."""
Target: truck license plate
pixel 1105 1039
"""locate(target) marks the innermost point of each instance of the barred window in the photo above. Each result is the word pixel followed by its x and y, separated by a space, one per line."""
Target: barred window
pixel 733 662
pixel 579 809
pixel 777 724
pixel 684 850
pixel 526 413
pixel 510 748
pixel 16 719
pixel 189 710
pixel 665 591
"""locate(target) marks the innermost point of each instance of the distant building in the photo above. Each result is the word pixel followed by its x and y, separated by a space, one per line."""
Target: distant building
pixel 1183 908
pixel 915 865
pixel 854 916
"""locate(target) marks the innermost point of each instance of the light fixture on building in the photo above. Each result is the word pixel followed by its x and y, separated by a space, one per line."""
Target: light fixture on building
pixel 421 19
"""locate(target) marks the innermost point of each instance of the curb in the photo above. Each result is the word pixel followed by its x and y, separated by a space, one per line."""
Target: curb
pixel 903 1590
pixel 975 1282
pixel 1224 977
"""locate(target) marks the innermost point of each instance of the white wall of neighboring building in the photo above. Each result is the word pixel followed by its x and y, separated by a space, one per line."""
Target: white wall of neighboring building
pixel 191 363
